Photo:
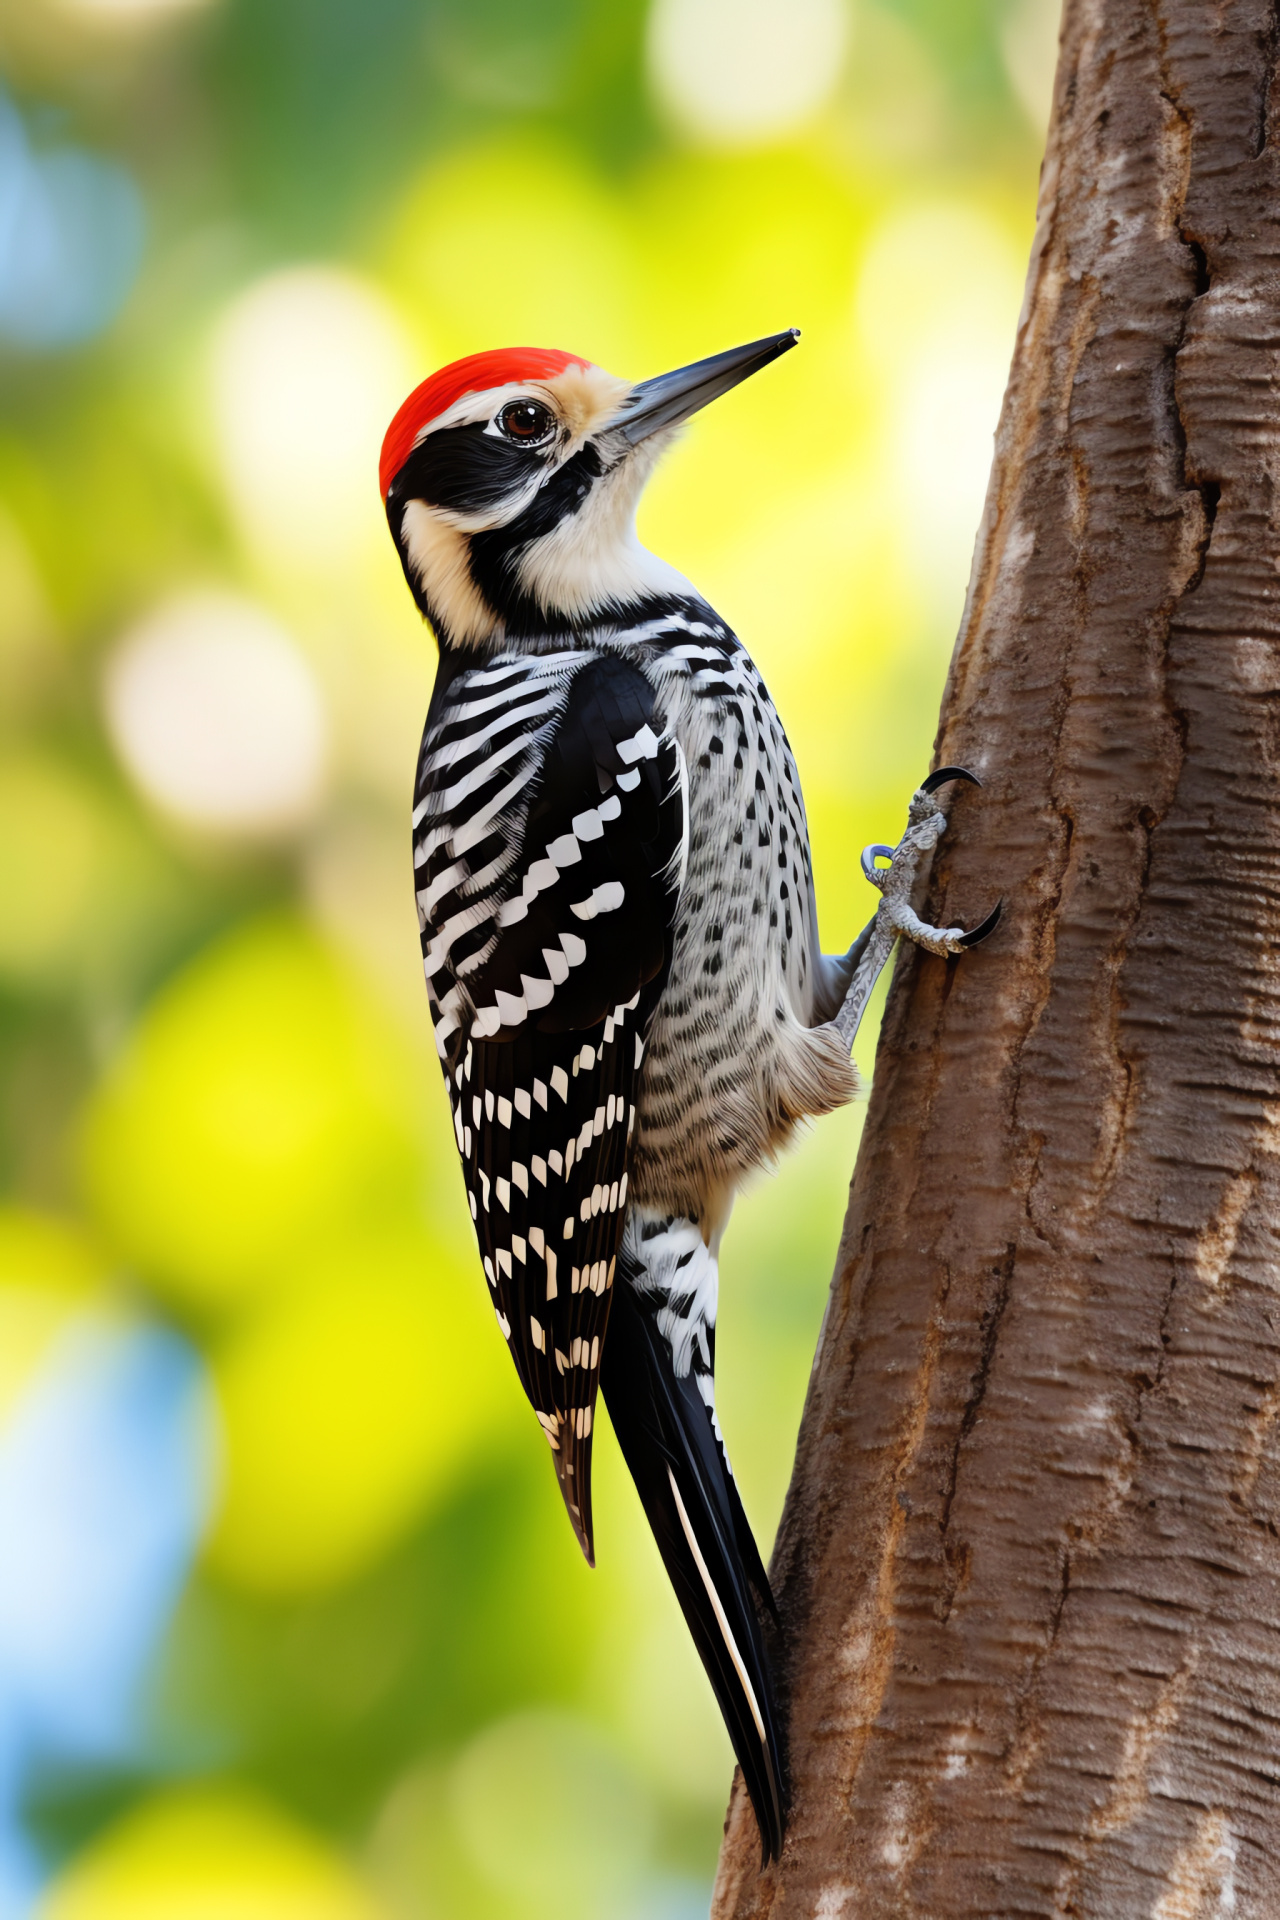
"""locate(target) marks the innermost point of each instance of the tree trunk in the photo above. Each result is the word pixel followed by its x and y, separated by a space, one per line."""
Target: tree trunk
pixel 1029 1568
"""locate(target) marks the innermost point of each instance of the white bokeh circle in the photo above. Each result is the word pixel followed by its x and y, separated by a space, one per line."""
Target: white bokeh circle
pixel 127 13
pixel 217 715
pixel 935 315
pixel 309 365
pixel 1029 43
pixel 738 73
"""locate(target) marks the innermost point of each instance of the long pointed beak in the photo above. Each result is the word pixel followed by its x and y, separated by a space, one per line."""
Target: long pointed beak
pixel 671 397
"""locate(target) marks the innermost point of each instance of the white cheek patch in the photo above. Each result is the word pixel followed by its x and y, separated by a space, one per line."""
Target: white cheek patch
pixel 439 555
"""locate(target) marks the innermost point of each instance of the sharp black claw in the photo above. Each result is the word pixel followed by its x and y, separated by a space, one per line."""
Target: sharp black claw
pixel 989 925
pixel 933 781
pixel 869 856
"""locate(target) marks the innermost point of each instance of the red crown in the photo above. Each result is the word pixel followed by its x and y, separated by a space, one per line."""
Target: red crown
pixel 479 371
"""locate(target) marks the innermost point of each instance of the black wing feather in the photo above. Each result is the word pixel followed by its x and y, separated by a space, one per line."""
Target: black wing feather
pixel 547 929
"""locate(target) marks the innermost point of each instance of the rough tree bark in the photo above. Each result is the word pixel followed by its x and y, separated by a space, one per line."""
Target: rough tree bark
pixel 1029 1566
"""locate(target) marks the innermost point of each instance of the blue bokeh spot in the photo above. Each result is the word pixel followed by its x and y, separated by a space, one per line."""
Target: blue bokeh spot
pixel 71 234
pixel 105 1485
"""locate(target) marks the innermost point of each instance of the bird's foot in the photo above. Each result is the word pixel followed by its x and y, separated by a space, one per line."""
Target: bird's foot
pixel 895 916
pixel 926 824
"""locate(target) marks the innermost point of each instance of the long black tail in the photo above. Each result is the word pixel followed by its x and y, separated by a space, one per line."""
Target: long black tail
pixel 665 1429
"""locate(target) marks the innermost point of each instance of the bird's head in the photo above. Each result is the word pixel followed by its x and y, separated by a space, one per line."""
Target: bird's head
pixel 511 480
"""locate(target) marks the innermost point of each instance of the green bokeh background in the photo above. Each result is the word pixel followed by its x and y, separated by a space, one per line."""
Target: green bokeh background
pixel 391 1687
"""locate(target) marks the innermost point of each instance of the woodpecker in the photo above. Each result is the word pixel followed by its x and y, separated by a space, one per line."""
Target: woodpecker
pixel 619 934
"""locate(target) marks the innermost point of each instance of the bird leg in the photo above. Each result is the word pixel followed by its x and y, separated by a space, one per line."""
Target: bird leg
pixel 895 916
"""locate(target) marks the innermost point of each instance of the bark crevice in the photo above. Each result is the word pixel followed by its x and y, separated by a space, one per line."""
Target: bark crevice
pixel 1270 60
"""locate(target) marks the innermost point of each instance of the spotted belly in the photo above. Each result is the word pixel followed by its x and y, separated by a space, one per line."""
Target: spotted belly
pixel 733 1061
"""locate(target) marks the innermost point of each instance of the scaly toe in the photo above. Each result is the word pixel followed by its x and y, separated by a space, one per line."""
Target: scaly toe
pixel 870 871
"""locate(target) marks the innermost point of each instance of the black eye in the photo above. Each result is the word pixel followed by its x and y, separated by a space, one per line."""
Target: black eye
pixel 526 421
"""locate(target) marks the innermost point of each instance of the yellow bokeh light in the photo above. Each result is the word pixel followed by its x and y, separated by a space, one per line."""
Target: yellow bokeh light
pixel 347 1406
pixel 563 1793
pixel 935 312
pixel 78 880
pixel 262 1106
pixel 52 843
pixel 937 268
pixel 481 281
pixel 47 1271
pixel 28 633
pixel 208 1854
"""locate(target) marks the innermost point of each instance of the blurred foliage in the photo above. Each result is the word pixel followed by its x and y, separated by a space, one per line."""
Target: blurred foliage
pixel 207 1853
pixel 237 1282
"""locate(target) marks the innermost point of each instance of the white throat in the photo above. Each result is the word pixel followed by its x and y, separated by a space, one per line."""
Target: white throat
pixel 594 556
pixel 591 559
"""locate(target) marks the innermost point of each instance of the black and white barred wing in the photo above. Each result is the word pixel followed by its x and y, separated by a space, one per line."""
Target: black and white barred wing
pixel 546 963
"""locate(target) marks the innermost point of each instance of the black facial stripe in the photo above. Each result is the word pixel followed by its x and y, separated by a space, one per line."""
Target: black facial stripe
pixel 560 496
pixel 467 469
pixel 495 555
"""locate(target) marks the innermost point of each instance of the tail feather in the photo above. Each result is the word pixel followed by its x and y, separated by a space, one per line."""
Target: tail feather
pixel 665 1429
pixel 571 1454
pixel 753 1565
